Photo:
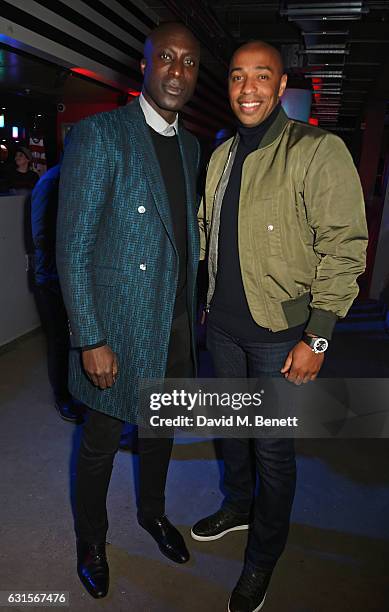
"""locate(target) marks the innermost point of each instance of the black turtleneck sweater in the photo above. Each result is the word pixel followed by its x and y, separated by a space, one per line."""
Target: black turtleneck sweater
pixel 229 309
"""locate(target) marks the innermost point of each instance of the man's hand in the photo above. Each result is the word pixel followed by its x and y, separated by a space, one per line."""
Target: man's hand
pixel 101 366
pixel 302 364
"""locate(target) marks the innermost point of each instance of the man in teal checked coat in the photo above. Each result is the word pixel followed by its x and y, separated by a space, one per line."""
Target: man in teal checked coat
pixel 127 253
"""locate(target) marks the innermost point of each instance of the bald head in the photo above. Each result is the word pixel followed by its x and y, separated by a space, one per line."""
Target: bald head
pixel 259 46
pixel 166 31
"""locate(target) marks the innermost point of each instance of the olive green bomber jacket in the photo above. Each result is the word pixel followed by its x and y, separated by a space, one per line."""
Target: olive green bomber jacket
pixel 302 232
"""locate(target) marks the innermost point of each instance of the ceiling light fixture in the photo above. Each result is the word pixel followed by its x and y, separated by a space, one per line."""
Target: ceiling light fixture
pixel 327 33
pixel 324 11
pixel 327 74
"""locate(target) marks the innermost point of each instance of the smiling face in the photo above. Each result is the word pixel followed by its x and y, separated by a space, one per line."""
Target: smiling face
pixel 255 83
pixel 170 68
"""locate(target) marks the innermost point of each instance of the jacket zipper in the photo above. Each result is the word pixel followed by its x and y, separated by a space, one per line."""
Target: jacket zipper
pixel 208 306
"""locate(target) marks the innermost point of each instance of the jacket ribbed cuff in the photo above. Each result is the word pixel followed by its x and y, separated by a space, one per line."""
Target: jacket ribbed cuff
pixel 93 346
pixel 321 323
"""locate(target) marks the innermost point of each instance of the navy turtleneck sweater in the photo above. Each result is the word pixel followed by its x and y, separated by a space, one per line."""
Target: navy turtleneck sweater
pixel 229 309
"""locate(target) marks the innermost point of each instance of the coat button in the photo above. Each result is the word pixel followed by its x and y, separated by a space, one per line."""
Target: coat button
pixel 141 209
pixel 143 266
pixel 270 228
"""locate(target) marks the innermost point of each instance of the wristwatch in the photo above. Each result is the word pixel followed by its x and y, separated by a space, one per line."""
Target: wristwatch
pixel 318 345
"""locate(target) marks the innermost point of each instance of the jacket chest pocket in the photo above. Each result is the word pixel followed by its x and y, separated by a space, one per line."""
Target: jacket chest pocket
pixel 268 219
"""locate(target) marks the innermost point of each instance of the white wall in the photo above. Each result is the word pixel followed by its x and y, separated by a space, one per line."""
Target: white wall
pixel 297 103
pixel 18 314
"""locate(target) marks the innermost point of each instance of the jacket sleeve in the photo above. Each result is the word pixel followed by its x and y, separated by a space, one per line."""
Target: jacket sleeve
pixel 336 214
pixel 84 188
pixel 40 198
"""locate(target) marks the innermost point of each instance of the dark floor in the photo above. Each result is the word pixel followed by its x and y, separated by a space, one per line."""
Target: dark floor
pixel 337 559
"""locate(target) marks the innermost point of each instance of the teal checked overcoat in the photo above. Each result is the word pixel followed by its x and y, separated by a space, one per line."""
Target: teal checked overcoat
pixel 116 253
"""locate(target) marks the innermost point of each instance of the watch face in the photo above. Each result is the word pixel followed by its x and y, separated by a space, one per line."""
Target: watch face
pixel 320 345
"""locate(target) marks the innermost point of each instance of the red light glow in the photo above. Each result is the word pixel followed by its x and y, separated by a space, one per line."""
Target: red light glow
pixel 96 77
pixel 87 73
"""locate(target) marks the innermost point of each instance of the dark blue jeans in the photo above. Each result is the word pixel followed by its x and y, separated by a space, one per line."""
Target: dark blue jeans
pixel 272 460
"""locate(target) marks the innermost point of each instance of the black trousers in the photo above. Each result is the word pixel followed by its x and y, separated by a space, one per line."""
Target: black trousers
pixel 54 321
pixel 100 442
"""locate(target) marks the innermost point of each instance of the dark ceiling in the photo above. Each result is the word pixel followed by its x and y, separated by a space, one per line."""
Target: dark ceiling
pixel 339 50
pixel 31 78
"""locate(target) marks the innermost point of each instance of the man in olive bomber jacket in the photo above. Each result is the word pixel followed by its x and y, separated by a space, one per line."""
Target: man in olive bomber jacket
pixel 283 226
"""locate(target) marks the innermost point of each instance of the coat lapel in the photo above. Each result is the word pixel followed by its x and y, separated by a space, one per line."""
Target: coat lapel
pixel 151 169
pixel 150 166
pixel 190 196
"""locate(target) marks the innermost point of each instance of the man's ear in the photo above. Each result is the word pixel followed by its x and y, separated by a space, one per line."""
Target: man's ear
pixel 143 65
pixel 283 83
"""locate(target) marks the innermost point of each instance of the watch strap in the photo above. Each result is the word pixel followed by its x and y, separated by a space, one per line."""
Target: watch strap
pixel 317 344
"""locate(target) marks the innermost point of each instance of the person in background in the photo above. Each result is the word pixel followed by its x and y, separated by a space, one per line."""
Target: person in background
pixel 47 291
pixel 22 178
pixel 285 234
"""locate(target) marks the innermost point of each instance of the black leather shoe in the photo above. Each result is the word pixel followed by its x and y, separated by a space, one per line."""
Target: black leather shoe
pixel 170 541
pixel 68 411
pixel 250 592
pixel 92 568
pixel 217 525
